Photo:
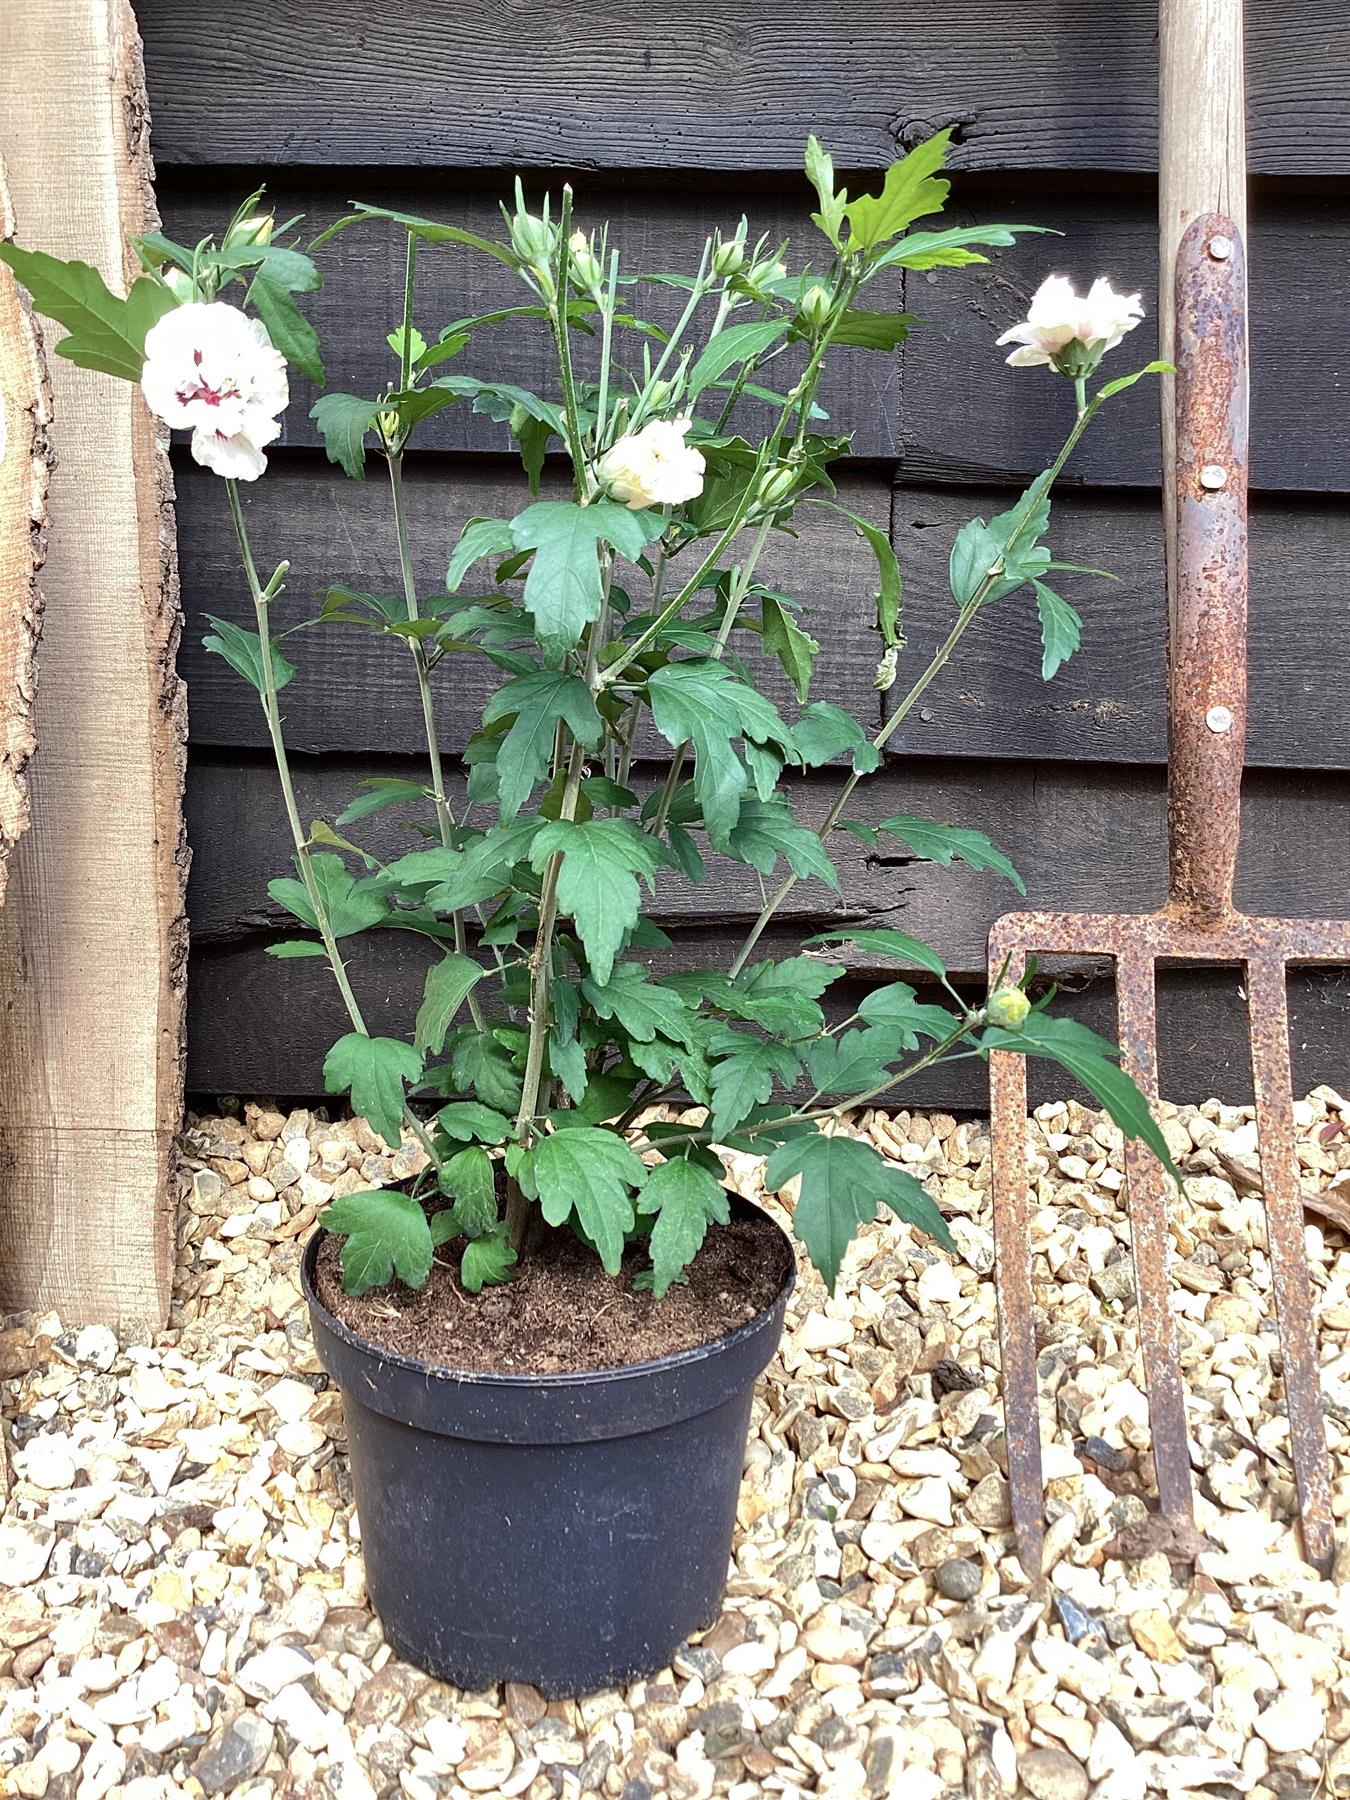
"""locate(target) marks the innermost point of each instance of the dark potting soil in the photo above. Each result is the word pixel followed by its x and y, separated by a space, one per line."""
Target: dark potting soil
pixel 562 1314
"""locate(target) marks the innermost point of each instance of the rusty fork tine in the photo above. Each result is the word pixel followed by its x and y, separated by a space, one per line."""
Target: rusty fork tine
pixel 1012 1280
pixel 1147 1185
pixel 1268 1006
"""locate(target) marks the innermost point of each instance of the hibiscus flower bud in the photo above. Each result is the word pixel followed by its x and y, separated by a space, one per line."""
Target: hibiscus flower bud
pixel 764 274
pixel 212 370
pixel 532 239
pixel 1072 332
pixel 776 485
pixel 1008 1007
pixel 653 467
pixel 813 309
pixel 257 230
pixel 887 670
pixel 728 257
pixel 585 268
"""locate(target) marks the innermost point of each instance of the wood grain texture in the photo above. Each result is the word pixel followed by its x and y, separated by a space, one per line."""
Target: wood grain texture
pixel 284 1025
pixel 356 691
pixel 1108 703
pixel 93 938
pixel 25 418
pixel 657 225
pixel 1074 833
pixel 969 418
pixel 688 84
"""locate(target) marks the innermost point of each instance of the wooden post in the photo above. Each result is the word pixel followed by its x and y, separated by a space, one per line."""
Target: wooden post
pixel 1202 168
pixel 25 418
pixel 93 934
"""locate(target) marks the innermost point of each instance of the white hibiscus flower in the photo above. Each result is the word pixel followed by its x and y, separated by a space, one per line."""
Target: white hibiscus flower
pixel 212 370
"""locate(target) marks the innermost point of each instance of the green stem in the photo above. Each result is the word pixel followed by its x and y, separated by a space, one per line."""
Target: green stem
pixel 409 277
pixel 701 285
pixel 271 711
pixel 445 823
pixel 897 718
pixel 562 339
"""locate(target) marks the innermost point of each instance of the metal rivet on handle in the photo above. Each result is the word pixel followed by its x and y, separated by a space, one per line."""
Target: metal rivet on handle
pixel 1213 475
pixel 1221 248
pixel 1219 718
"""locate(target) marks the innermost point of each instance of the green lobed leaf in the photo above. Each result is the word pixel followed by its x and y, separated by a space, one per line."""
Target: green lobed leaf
pixel 686 1199
pixel 242 650
pixel 1061 630
pixel 843 1182
pixel 564 589
pixel 429 231
pixel 467 1179
pixel 824 731
pixel 449 983
pixel 482 1066
pixel 379 795
pixel 1119 385
pixel 888 571
pixel 795 649
pixel 597 880
pixel 854 1061
pixel 1092 1060
pixel 293 947
pixel 702 702
pixel 290 331
pixel 950 249
pixel 373 1070
pixel 592 1170
pixel 875 330
pixel 732 345
pixel 534 703
pixel 343 421
pixel 645 1009
pixel 470 1119
pixel 944 843
pixel 479 538
pixel 743 1077
pixel 387 1234
pixel 766 830
pixel 911 190
pixel 1007 548
pixel 820 173
pixel 350 905
pixel 898 1008
pixel 487 1262
pixel 896 946
pixel 105 332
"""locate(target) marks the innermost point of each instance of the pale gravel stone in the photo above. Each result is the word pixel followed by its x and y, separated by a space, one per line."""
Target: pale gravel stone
pixel 845 1663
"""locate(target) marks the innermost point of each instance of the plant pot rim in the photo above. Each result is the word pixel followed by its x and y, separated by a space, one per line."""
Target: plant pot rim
pixel 562 1380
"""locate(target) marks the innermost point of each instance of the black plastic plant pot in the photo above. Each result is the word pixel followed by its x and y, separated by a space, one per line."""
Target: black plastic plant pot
pixel 565 1530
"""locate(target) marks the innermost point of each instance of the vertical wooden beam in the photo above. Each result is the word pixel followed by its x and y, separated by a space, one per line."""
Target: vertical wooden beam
pixel 93 935
pixel 1202 168
pixel 25 420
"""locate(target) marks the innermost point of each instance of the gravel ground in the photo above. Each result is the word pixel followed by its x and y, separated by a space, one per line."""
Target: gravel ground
pixel 182 1608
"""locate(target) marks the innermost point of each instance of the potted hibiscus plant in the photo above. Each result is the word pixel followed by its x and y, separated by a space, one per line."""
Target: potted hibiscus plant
pixel 547 1342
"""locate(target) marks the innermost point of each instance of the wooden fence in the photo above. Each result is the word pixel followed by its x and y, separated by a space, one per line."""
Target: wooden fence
pixel 670 117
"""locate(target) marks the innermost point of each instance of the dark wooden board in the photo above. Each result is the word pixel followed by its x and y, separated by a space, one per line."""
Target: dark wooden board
pixel 1089 837
pixel 686 84
pixel 967 417
pixel 1107 704
pixel 657 225
pixel 355 690
pixel 260 1027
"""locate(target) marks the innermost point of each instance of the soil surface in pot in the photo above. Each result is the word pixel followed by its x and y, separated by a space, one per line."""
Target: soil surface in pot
pixel 562 1314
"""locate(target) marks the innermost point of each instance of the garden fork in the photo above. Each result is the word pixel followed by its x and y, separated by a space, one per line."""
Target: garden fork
pixel 1197 923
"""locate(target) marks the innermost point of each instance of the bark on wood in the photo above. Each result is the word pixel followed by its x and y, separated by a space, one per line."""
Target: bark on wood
pixel 25 416
pixel 93 939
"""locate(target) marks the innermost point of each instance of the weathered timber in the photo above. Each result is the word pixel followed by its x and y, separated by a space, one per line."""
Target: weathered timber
pixel 684 84
pixel 655 224
pixel 356 690
pixel 1107 704
pixel 25 418
pixel 93 937
pixel 1075 834
pixel 286 1016
pixel 969 418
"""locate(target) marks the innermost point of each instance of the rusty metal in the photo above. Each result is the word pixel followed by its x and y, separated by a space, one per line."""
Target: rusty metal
pixel 1207 716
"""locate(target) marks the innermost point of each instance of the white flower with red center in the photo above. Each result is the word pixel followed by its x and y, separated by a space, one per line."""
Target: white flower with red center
pixel 1072 331
pixel 653 467
pixel 211 370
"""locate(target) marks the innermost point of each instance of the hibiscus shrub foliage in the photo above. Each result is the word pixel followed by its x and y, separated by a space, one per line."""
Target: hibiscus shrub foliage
pixel 624 599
